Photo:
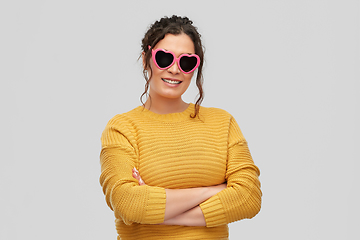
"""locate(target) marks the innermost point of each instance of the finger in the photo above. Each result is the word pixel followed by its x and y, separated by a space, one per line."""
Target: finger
pixel 141 182
pixel 136 175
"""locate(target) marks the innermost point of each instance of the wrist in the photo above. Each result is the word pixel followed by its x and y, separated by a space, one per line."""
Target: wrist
pixel 193 217
pixel 213 190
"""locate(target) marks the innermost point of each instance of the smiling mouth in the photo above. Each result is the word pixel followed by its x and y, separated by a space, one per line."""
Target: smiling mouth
pixel 171 81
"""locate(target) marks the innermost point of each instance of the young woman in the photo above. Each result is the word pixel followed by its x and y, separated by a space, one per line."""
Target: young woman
pixel 170 169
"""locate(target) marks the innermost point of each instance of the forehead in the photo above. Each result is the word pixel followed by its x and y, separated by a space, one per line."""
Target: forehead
pixel 178 44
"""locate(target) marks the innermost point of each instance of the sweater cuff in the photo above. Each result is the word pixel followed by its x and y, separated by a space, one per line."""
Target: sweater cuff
pixel 213 212
pixel 155 208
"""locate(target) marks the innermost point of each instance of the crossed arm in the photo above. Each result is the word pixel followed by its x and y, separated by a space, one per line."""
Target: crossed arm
pixel 182 205
pixel 239 198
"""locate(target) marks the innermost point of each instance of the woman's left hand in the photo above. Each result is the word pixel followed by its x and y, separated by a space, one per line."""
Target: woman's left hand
pixel 136 175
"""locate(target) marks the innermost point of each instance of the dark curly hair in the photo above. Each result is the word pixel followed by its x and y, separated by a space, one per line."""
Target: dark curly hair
pixel 173 25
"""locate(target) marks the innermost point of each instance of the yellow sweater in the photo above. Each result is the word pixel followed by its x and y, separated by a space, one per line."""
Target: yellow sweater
pixel 175 151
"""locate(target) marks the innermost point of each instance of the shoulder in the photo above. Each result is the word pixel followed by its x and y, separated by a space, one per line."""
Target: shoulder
pixel 213 110
pixel 123 123
pixel 214 113
pixel 221 118
pixel 124 118
pixel 119 129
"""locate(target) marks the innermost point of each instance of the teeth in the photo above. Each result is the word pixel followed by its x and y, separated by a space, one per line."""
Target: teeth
pixel 171 81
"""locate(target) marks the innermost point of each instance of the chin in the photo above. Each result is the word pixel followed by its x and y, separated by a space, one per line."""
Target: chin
pixel 172 97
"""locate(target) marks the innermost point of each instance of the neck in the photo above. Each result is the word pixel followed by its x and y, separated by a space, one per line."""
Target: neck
pixel 165 106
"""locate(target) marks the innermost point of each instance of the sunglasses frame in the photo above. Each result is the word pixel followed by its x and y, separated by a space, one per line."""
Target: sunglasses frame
pixel 175 59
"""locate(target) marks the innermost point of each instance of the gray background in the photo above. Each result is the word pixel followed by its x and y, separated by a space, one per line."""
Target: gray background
pixel 288 71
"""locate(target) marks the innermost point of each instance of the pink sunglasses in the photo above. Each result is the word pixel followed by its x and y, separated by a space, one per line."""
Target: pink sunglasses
pixel 165 59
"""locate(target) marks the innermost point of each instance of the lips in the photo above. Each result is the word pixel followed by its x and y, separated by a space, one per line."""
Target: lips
pixel 171 81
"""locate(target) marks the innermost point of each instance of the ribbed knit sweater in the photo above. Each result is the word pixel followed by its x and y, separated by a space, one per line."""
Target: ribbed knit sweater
pixel 176 151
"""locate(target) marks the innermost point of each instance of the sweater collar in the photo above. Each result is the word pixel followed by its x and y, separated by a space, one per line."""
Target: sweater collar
pixel 170 117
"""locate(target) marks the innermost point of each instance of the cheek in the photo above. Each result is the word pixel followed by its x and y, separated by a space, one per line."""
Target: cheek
pixel 153 71
pixel 188 80
pixel 188 77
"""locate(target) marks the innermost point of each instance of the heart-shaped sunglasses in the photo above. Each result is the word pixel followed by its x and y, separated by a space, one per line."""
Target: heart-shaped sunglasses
pixel 164 59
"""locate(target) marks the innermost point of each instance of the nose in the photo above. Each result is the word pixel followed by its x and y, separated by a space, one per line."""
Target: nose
pixel 174 69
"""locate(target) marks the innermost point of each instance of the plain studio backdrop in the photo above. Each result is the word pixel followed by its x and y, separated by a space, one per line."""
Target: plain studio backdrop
pixel 288 71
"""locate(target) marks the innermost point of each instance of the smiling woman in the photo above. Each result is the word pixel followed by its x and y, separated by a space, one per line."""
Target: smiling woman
pixel 169 83
pixel 171 169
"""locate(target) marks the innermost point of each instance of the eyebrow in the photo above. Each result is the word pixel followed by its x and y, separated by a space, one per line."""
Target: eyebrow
pixel 180 53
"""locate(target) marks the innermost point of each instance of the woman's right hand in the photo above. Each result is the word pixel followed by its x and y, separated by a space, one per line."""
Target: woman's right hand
pixel 136 175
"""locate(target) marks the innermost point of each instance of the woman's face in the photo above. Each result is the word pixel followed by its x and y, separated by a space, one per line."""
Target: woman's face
pixel 171 83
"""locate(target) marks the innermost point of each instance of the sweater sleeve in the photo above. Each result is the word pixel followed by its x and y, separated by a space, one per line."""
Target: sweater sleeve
pixel 242 197
pixel 129 201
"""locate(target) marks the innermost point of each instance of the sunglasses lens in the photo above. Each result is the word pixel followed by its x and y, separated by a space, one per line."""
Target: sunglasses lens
pixel 164 59
pixel 188 63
